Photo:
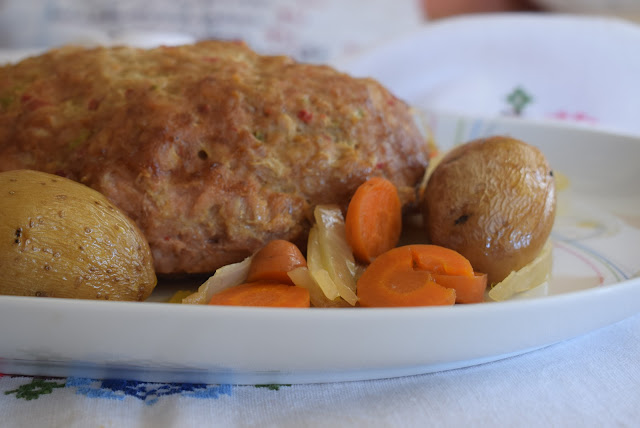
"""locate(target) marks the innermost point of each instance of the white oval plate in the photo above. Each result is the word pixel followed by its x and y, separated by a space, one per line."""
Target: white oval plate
pixel 595 283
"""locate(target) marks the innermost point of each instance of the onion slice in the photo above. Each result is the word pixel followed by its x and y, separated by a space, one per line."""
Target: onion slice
pixel 301 276
pixel 329 256
pixel 223 278
pixel 531 275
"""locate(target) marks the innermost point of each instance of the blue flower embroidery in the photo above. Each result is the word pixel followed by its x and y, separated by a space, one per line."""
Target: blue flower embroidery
pixel 150 393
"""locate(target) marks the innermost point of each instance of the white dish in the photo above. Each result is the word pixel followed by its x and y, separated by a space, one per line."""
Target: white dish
pixel 595 283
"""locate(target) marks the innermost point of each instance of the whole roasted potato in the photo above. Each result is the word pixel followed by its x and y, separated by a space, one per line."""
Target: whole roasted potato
pixel 59 238
pixel 494 201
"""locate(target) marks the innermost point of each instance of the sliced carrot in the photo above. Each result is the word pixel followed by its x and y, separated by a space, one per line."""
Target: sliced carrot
pixel 274 260
pixel 440 260
pixel 263 293
pixel 374 219
pixel 393 279
pixel 469 289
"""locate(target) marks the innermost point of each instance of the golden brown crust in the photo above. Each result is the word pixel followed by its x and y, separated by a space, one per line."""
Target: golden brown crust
pixel 212 149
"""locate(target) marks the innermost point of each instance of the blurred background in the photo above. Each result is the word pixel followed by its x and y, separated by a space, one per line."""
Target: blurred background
pixel 628 9
pixel 309 30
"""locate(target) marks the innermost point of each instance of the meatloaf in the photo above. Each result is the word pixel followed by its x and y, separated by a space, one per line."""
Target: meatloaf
pixel 211 148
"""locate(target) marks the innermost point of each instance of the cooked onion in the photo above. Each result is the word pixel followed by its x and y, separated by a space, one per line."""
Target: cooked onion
pixel 329 257
pixel 301 276
pixel 225 277
pixel 531 275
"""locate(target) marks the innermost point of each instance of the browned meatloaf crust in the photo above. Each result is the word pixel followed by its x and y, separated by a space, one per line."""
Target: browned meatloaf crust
pixel 211 148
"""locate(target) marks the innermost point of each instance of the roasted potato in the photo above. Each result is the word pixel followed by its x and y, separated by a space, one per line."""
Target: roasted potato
pixel 59 238
pixel 494 201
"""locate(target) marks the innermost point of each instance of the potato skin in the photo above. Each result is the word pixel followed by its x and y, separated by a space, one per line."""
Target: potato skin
pixel 59 238
pixel 494 201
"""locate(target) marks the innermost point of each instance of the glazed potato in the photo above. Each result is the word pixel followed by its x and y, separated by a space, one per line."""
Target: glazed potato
pixel 59 238
pixel 494 201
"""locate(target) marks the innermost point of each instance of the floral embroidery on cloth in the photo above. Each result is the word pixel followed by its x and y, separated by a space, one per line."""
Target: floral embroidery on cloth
pixel 120 389
pixel 35 388
pixel 519 99
pixel 117 389
pixel 576 117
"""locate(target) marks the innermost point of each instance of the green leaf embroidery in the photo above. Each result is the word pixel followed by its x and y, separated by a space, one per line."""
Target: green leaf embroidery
pixel 35 389
pixel 519 99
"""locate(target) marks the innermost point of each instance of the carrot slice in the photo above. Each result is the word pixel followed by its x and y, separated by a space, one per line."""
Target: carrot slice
pixel 440 260
pixel 394 279
pixel 469 289
pixel 263 293
pixel 374 219
pixel 274 260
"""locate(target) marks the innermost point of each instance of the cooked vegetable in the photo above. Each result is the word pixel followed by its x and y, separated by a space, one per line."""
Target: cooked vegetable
pixel 263 293
pixel 374 219
pixel 179 296
pixel 494 201
pixel 269 263
pixel 223 278
pixel 405 276
pixel 274 260
pixel 329 256
pixel 440 260
pixel 316 266
pixel 532 275
pixel 469 289
pixel 60 238
pixel 301 276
